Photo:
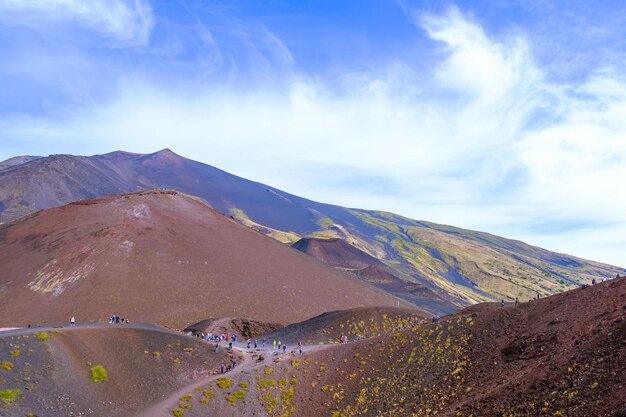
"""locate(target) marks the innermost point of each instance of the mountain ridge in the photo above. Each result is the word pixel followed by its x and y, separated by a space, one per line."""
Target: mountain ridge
pixel 462 265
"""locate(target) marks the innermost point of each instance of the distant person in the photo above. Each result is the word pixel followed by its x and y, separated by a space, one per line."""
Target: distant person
pixel 593 281
pixel 217 348
pixel 230 345
pixel 221 368
pixel 516 300
pixel 72 321
pixel 284 348
pixel 617 276
pixel 255 344
pixel 279 345
pixel 274 344
pixel 604 279
pixel 502 303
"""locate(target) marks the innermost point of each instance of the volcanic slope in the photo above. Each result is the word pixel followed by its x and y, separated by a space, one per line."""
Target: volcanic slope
pixel 340 254
pixel 163 257
pixel 559 356
pixel 465 265
pixel 48 371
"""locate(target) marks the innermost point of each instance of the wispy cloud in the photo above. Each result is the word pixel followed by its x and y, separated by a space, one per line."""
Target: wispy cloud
pixel 126 21
pixel 484 138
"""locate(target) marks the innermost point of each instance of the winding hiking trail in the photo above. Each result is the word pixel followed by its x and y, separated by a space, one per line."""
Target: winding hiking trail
pixel 246 363
pixel 247 359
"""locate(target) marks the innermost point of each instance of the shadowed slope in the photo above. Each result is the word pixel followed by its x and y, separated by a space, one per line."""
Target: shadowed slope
pixel 164 257
pixel 336 252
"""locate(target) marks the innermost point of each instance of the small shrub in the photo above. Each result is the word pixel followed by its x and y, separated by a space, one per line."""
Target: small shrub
pixel 15 353
pixel 224 383
pixel 243 385
pixel 176 361
pixel 9 395
pixel 99 374
pixel 239 394
pixel 156 354
pixel 7 366
pixel 43 336
pixel 177 412
pixel 186 397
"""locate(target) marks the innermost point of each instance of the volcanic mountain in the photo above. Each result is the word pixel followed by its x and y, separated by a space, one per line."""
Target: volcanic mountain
pixel 160 256
pixel 464 265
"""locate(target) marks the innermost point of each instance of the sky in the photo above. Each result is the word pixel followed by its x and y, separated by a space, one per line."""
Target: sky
pixel 501 116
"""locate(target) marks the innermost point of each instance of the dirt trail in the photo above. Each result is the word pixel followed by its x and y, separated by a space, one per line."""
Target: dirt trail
pixel 246 363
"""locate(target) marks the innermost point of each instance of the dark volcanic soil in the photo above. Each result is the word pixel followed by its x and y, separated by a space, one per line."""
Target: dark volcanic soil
pixel 143 365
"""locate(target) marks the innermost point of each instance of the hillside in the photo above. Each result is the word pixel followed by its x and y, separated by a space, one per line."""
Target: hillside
pixel 342 255
pixel 465 266
pixel 558 356
pixel 48 370
pixel 164 257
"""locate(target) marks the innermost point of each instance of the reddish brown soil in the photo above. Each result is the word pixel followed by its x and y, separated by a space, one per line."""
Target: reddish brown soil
pixel 563 355
pixel 242 328
pixel 559 356
pixel 160 256
pixel 336 252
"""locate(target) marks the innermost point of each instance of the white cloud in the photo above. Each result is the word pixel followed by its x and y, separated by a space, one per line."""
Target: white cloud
pixel 127 21
pixel 485 141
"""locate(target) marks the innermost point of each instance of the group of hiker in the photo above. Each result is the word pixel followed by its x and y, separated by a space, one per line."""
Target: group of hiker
pixel 228 368
pixel 115 319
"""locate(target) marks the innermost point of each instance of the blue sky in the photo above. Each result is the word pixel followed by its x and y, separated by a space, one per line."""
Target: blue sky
pixel 502 116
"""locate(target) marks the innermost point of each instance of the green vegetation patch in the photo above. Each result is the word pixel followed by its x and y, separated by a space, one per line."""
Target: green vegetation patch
pixel 7 366
pixel 99 374
pixel 224 383
pixel 9 395
pixel 43 336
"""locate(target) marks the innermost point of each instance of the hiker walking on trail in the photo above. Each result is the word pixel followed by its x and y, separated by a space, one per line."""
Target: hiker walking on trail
pixel 502 303
pixel 255 345
pixel 284 348
pixel 516 300
pixel 274 344
pixel 230 345
pixel 72 321
pixel 279 345
pixel 221 368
